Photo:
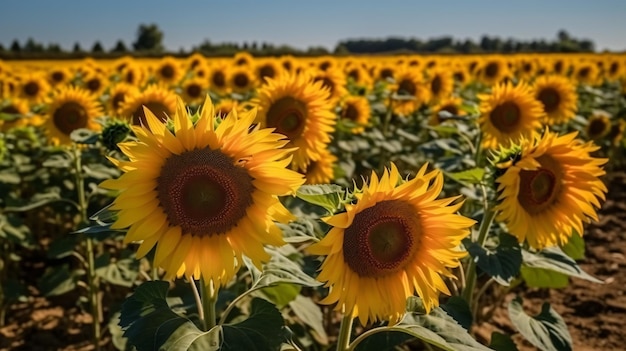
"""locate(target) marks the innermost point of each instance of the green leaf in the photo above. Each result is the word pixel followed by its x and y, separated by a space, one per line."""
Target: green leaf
pixel 544 278
pixel 9 177
pixel 62 247
pixel 262 330
pixel 547 330
pixel 310 314
pixel 59 280
pixel 84 136
pixel 280 269
pixel 281 294
pixel 472 176
pixel 459 309
pixel 436 328
pixel 122 272
pixel 575 247
pixel 554 259
pixel 502 342
pixel 327 196
pixel 503 264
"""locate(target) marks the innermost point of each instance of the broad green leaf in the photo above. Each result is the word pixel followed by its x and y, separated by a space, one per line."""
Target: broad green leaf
pixel 262 330
pixel 327 196
pixel 280 269
pixel 310 314
pixel 59 280
pixel 62 247
pixel 544 278
pixel 473 176
pixel 436 328
pixel 122 272
pixel 575 247
pixel 459 309
pixel 503 264
pixel 281 294
pixel 84 136
pixel 547 330
pixel 9 177
pixel 502 342
pixel 554 259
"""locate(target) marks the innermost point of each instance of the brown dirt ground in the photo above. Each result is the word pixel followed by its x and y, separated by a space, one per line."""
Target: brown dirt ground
pixel 594 313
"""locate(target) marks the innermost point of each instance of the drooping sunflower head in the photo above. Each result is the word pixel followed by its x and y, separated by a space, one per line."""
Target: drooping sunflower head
pixel 204 195
pixel 298 108
pixel 598 125
pixel 356 109
pixel 551 189
pixel 385 71
pixel 614 68
pixel 69 109
pixel 508 114
pixel 558 97
pixel 398 239
pixel 158 99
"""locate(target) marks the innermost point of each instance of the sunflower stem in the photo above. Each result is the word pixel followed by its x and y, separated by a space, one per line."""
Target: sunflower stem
pixel 343 339
pixel 209 298
pixel 92 279
pixel 470 277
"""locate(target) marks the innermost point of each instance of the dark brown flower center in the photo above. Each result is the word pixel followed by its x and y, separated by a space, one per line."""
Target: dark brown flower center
pixel 130 77
pixel 350 112
pixel 31 89
pixel 267 71
pixel 167 72
pixel 407 86
pixel 194 90
pixel 491 70
pixel 538 189
pixel 94 85
pixel 57 76
pixel 241 80
pixel 325 65
pixel 10 110
pixel 558 66
pixel 203 192
pixel 506 116
pixel 219 79
pixel 69 117
pixel 451 108
pixel 584 72
pixel 386 73
pixel 613 68
pixel 327 83
pixel 382 239
pixel 158 108
pixel 550 99
pixel 117 99
pixel 288 116
pixel 354 73
pixel 435 85
pixel 597 128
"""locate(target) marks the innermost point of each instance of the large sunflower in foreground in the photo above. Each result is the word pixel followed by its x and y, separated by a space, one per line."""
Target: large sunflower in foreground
pixel 396 240
pixel 558 96
pixel 204 195
pixel 70 109
pixel 158 99
pixel 508 114
pixel 299 109
pixel 551 189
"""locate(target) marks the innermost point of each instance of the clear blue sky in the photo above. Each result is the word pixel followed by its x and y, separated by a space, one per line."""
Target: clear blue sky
pixel 308 23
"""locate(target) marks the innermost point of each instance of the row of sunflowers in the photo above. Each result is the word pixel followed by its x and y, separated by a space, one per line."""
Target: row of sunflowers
pixel 399 190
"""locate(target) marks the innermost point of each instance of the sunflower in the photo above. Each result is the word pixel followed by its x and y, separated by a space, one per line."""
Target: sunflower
pixel 168 71
pixel 396 240
pixel 335 81
pixel 195 60
pixel 441 83
pixel 289 63
pixel 117 96
pixel 158 99
pixel 560 66
pixel 558 96
pixel 587 73
pixel 269 68
pixel 95 82
pixel 194 90
pixel 385 72
pixel 225 106
pixel 69 109
pixel 507 114
pixel 412 93
pixel 550 190
pixel 33 87
pixel 320 171
pixel 13 113
pixel 204 195
pixel 357 110
pixel 325 63
pixel 58 76
pixel 616 134
pixel 241 79
pixel 299 109
pixel 243 58
pixel 598 126
pixel 357 75
pixel 218 78
pixel 494 70
pixel 133 74
pixel 451 105
pixel 614 69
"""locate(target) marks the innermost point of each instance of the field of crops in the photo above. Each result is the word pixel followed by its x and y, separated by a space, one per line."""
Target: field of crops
pixel 348 203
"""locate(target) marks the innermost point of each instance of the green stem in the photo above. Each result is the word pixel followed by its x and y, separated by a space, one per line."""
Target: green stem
pixel 470 277
pixel 91 267
pixel 343 339
pixel 209 298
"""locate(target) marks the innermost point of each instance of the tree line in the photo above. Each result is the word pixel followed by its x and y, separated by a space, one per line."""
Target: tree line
pixel 149 42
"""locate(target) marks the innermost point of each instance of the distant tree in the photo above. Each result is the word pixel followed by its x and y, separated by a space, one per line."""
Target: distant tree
pixel 15 46
pixel 149 38
pixel 97 47
pixel 54 48
pixel 1 47
pixel 77 48
pixel 33 46
pixel 563 36
pixel 119 47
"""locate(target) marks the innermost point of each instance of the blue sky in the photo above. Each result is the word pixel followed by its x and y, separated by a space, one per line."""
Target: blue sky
pixel 308 23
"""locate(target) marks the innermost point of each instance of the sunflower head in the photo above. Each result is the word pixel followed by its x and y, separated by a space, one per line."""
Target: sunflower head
pixel 398 239
pixel 33 87
pixel 558 97
pixel 322 170
pixel 550 189
pixel 205 195
pixel 158 99
pixel 168 70
pixel 598 126
pixel 69 109
pixel 356 109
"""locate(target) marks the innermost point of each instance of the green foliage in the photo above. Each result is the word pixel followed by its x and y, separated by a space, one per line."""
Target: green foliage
pixel 547 330
pixel 502 263
pixel 547 267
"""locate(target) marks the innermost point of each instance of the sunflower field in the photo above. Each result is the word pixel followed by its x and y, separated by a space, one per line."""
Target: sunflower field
pixel 292 203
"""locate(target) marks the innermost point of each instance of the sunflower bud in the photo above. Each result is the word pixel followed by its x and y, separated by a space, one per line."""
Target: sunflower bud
pixel 115 133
